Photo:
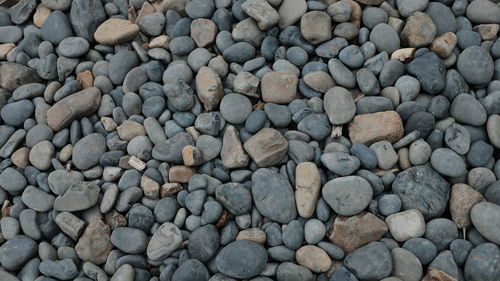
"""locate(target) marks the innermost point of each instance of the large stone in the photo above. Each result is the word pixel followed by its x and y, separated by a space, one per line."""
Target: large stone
pixel 72 107
pixel 339 105
pixel 116 31
pixel 14 75
pixel 291 11
pixel 476 65
pixel 267 147
pixel 209 88
pixel 80 196
pixel 405 225
pixel 94 245
pixel 483 11
pixel 348 196
pixel 422 188
pixel 353 232
pixel 316 27
pixel 462 199
pixel 486 219
pixel 86 16
pixel 229 261
pixel 483 263
pixel 419 30
pixel 370 262
pixel 370 128
pixel 273 196
pixel 16 252
pixel 279 87
pixel 166 239
pixel 307 188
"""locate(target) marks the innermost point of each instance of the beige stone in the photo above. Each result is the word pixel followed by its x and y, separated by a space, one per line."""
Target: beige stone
pixel 443 45
pixel 180 174
pixel 41 14
pixel 319 81
pixel 267 147
pixel 150 187
pixel 487 31
pixel 403 55
pixel 252 234
pixel 314 258
pixel 191 156
pixel 316 27
pixel 95 244
pixel 170 189
pixel 370 128
pixel 405 225
pixel 5 49
pixel 356 13
pixel 109 124
pixel 262 12
pixel 162 41
pixel 145 10
pixel 404 158
pixel 290 12
pixel 279 87
pixel 419 30
pixel 209 88
pixel 353 232
pixel 129 130
pixel 462 199
pixel 437 275
pixel 116 31
pixel 232 153
pixel 203 32
pixel 115 219
pixel 20 157
pixel 66 153
pixel 86 79
pixel 307 188
pixel 78 105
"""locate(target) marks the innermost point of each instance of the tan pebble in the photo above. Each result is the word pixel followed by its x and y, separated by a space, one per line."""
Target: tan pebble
pixel 203 32
pixel 487 31
pixel 443 45
pixel 462 199
pixel 136 163
pixel 170 189
pixel 129 130
pixel 279 87
pixel 66 153
pixel 162 41
pixel 403 55
pixel 180 174
pixel 209 88
pixel 41 14
pixel 307 188
pixel 314 258
pixel 116 31
pixel 86 79
pixel 150 187
pixel 20 157
pixel 252 234
pixel 319 81
pixel 191 156
pixel 370 128
pixel 5 49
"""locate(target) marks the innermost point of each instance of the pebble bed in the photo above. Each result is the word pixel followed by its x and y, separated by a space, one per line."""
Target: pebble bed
pixel 288 140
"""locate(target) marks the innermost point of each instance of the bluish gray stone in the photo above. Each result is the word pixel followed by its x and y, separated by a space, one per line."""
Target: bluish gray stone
pixel 230 263
pixel 371 262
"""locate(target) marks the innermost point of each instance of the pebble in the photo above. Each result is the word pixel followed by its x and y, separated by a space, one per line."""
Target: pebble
pixel 406 225
pixel 229 263
pixel 448 162
pixel 115 31
pixel 483 216
pixel 313 258
pixel 355 192
pixel 15 252
pixel 339 106
pixel 373 261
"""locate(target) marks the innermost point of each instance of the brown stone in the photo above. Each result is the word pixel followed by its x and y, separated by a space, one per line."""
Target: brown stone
pixel 314 258
pixel 316 27
pixel 353 232
pixel 223 219
pixel 279 87
pixel 41 14
pixel 232 153
pixel 191 155
pixel 170 189
pixel 20 157
pixel 437 275
pixel 14 75
pixel 487 31
pixel 203 32
pixel 86 79
pixel 81 104
pixel 267 147
pixel 209 88
pixel 462 199
pixel 162 41
pixel 307 188
pixel 370 128
pixel 5 49
pixel 403 55
pixel 443 45
pixel 130 129
pixel 419 30
pixel 116 31
pixel 115 219
pixel 252 234
pixel 94 245
pixel 180 174
pixel 150 187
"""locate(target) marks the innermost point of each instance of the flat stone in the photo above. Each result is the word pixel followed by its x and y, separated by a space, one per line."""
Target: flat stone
pixel 252 234
pixel 94 245
pixel 116 31
pixel 279 87
pixel 448 162
pixel 348 196
pixel 72 107
pixel 15 252
pixel 370 128
pixel 87 151
pixel 166 239
pixel 209 88
pixel 273 196
pixel 307 188
pixel 316 27
pixel 267 147
pixel 353 232
pixel 405 225
pixel 370 262
pixel 37 199
pixel 80 196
